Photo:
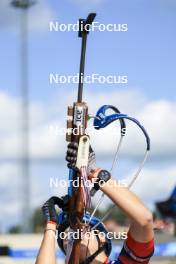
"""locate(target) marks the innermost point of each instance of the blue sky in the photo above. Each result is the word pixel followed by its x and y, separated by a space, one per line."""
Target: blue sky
pixel 145 53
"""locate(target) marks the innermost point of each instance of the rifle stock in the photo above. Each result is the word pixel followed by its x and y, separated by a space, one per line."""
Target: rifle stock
pixel 76 203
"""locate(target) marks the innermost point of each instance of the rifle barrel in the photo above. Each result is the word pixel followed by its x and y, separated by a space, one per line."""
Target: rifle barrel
pixel 83 32
pixel 82 67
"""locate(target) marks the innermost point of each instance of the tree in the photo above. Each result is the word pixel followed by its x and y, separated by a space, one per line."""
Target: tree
pixel 37 221
pixel 15 229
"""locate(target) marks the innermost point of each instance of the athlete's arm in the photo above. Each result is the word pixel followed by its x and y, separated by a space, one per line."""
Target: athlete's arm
pixel 47 254
pixel 47 249
pixel 141 228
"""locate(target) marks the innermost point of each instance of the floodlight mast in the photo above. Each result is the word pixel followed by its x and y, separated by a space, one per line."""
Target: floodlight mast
pixel 25 179
pixel 22 3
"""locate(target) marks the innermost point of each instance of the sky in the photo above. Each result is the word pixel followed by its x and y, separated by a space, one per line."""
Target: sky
pixel 145 53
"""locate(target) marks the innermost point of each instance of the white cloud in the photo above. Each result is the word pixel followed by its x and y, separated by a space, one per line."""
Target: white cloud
pixel 10 194
pixel 156 184
pixel 45 144
pixel 152 185
pixel 161 124
pixel 39 16
pixel 7 116
pixel 157 117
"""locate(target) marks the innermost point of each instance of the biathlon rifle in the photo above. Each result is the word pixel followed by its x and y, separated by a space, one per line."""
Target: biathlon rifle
pixel 79 197
pixel 77 122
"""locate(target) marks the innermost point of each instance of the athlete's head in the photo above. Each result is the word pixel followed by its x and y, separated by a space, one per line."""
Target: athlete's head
pixel 95 247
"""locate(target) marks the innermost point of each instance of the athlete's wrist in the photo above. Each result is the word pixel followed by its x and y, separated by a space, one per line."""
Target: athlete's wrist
pixel 110 184
pixel 51 225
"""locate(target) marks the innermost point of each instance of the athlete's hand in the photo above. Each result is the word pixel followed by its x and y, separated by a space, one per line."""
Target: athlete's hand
pixel 71 157
pixel 49 210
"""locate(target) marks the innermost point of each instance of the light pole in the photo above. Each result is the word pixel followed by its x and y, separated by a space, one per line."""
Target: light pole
pixel 24 136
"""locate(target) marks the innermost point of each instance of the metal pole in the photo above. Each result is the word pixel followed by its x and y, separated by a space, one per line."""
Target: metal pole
pixel 25 166
pixel 25 123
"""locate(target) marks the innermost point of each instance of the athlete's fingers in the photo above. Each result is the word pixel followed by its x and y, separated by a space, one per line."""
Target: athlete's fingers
pixel 71 151
pixel 73 145
pixel 71 159
pixel 72 166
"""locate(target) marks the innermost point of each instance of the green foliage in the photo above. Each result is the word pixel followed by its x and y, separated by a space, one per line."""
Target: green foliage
pixel 99 213
pixel 15 230
pixel 116 214
pixel 37 221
